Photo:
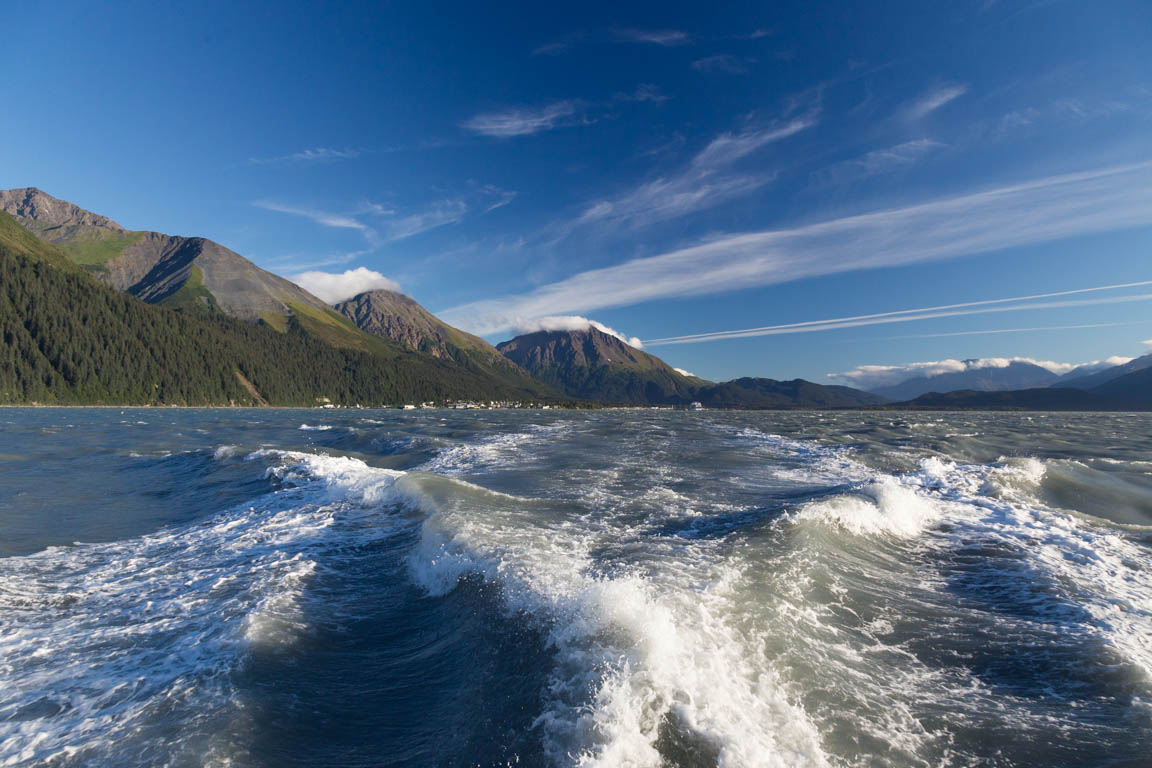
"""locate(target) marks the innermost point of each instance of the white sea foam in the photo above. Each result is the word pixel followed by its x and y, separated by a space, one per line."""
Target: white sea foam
pixel 883 506
pixel 500 449
pixel 640 650
pixel 782 644
pixel 1092 568
pixel 100 639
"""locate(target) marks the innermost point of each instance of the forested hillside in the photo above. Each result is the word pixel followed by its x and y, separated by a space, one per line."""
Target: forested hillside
pixel 68 339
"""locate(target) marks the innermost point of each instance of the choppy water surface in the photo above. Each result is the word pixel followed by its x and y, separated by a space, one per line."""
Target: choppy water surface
pixel 291 588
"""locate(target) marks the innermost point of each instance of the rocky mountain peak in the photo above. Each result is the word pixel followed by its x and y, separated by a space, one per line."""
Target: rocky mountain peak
pixel 43 213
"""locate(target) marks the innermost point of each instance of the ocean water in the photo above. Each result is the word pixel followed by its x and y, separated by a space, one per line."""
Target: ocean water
pixel 625 588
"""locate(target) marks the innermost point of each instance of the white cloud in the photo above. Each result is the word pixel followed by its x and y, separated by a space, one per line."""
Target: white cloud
pixel 317 154
pixel 664 37
pixel 910 315
pixel 1037 211
pixel 935 99
pixel 1147 342
pixel 337 286
pixel 988 331
pixel 683 372
pixel 875 376
pixel 394 225
pixel 1108 362
pixel 876 162
pixel 572 323
pixel 727 148
pixel 643 92
pixel 706 182
pixel 522 121
pixel 436 215
pixel 732 65
pixel 338 220
pixel 552 49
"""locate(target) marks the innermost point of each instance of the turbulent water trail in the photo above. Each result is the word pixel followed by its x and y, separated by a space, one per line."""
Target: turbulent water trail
pixel 117 651
pixel 589 589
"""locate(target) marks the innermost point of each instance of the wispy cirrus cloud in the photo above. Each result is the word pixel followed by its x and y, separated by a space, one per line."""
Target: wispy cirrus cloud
pixel 643 92
pixel 910 315
pixel 524 121
pixel 732 65
pixel 665 37
pixel 383 223
pixel 708 180
pixel 876 162
pixel 438 214
pixel 1037 211
pixel 555 48
pixel 324 218
pixel 315 155
pixel 992 331
pixel 934 99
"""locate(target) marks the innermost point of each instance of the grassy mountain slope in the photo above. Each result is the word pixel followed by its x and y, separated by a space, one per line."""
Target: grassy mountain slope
pixel 400 318
pixel 68 339
pixel 157 267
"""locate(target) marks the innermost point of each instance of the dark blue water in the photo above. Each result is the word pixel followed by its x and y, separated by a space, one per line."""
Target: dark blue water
pixel 358 588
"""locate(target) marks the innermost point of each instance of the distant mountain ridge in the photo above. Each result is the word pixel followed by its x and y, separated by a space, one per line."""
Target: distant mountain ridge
pixel 1015 375
pixel 1022 384
pixel 769 393
pixel 594 365
pixel 1093 380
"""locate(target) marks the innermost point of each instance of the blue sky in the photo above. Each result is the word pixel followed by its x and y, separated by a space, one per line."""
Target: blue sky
pixel 680 172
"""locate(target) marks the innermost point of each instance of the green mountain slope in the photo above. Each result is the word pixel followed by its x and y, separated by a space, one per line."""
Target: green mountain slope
pixel 68 339
pixel 160 269
pixel 401 319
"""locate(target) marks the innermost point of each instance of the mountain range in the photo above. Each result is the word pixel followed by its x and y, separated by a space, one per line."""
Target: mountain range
pixel 1015 375
pixel 1022 384
pixel 94 313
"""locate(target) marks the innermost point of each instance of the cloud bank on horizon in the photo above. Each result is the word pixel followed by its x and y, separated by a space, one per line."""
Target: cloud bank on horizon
pixel 869 377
